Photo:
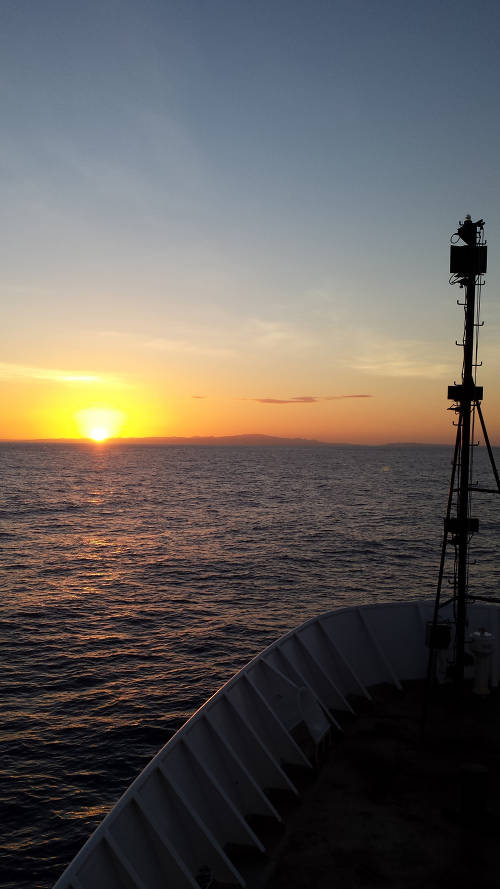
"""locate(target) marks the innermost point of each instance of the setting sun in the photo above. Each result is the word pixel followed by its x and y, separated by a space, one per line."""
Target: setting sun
pixel 99 423
pixel 99 434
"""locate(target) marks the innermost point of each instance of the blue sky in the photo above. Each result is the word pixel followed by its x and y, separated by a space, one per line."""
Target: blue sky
pixel 251 198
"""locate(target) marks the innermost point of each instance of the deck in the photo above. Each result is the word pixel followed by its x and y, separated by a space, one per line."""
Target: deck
pixel 397 807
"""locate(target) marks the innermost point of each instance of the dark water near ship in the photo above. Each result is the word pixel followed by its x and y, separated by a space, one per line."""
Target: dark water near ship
pixel 135 580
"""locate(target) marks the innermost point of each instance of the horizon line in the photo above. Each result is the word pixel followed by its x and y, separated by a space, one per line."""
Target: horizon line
pixel 251 437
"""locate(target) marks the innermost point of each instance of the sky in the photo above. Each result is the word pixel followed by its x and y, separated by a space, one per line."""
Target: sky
pixel 226 217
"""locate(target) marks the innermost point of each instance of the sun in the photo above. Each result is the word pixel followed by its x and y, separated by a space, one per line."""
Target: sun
pixel 100 423
pixel 99 434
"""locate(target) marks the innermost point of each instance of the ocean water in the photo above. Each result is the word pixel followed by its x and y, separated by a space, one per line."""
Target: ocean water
pixel 135 580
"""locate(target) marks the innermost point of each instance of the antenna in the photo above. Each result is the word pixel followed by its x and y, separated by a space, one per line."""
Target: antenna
pixel 467 267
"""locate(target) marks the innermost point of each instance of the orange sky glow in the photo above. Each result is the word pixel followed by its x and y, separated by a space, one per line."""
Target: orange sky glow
pixel 238 222
pixel 384 409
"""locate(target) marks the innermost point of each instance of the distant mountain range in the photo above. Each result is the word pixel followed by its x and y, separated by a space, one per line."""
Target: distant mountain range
pixel 201 440
pixel 225 440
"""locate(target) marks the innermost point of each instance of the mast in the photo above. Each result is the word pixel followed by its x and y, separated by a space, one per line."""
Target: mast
pixel 467 266
pixel 468 263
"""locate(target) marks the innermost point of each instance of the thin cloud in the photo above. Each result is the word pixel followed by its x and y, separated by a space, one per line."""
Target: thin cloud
pixel 306 399
pixel 405 358
pixel 111 334
pixel 201 397
pixel 277 335
pixel 170 344
pixel 186 347
pixel 299 399
pixel 335 397
pixel 401 367
pixel 20 372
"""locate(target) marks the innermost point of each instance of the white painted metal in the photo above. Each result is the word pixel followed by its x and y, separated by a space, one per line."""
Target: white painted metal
pixel 188 810
pixel 258 757
pixel 482 646
pixel 217 756
pixel 348 677
pixel 302 676
pixel 363 616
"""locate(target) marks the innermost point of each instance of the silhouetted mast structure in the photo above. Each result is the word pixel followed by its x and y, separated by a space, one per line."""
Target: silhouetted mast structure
pixel 467 266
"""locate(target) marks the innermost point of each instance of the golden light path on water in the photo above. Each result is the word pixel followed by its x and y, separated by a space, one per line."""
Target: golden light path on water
pixel 139 578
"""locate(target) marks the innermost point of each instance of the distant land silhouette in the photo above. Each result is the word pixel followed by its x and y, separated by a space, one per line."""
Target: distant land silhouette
pixel 201 440
pixel 225 441
pixel 228 440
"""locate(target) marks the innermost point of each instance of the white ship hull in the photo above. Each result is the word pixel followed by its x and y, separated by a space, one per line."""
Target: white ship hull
pixel 192 804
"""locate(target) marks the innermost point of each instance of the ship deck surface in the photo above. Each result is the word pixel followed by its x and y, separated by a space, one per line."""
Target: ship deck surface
pixel 394 806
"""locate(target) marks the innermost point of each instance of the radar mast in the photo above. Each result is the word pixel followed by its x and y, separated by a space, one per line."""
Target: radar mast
pixel 468 261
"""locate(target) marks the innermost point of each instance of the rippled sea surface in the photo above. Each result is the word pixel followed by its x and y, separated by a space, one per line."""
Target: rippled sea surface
pixel 135 580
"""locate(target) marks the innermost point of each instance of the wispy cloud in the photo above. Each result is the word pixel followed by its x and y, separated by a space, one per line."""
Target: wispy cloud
pixel 401 359
pixel 299 399
pixel 187 347
pixel 163 150
pixel 276 334
pixel 305 399
pixel 177 345
pixel 208 342
pixel 112 334
pixel 334 397
pixel 20 372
